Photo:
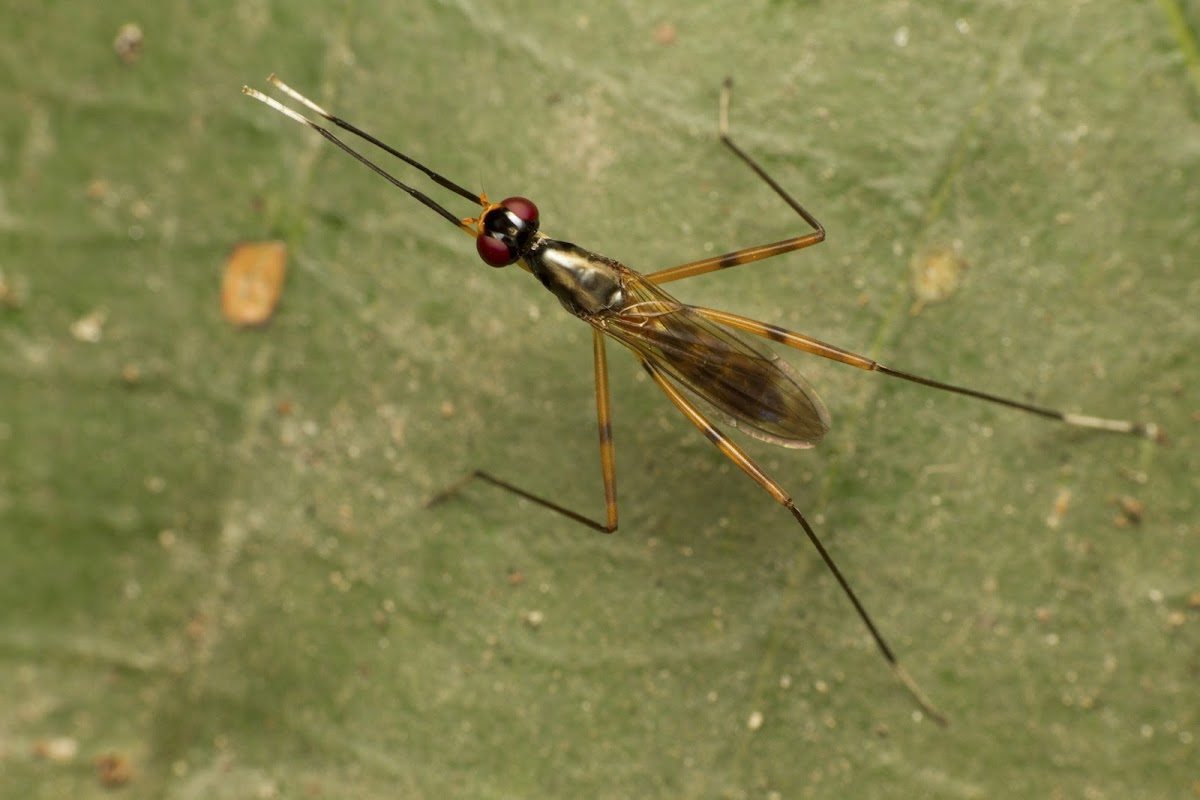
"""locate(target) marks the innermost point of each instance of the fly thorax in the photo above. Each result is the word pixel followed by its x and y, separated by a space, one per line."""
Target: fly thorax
pixel 585 283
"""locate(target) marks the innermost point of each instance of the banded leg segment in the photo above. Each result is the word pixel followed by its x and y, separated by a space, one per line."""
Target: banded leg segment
pixel 727 446
pixel 749 254
pixel 608 459
pixel 439 179
pixel 808 344
pixel 608 455
pixel 738 456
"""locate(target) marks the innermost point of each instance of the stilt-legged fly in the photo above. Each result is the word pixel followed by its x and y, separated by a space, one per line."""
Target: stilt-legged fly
pixel 689 352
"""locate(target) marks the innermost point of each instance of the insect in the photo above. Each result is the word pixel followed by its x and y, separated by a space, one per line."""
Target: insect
pixel 690 353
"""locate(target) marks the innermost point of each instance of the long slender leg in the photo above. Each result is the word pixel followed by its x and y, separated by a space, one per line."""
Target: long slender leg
pixel 608 455
pixel 807 344
pixel 750 254
pixel 608 460
pixel 425 199
pixel 441 180
pixel 734 453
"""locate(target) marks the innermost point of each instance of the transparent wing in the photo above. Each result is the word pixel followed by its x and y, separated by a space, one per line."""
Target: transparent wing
pixel 750 385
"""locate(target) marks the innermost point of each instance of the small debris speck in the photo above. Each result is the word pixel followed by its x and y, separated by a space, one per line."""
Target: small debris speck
pixel 12 295
pixel 1061 503
pixel 253 282
pixel 113 770
pixel 97 189
pixel 1130 510
pixel 936 276
pixel 128 42
pixel 89 328
pixel 60 749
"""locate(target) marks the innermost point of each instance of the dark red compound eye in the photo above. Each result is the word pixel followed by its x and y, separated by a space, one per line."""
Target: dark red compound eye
pixel 522 207
pixel 494 252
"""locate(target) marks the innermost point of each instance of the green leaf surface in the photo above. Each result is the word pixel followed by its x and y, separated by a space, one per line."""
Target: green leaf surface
pixel 215 559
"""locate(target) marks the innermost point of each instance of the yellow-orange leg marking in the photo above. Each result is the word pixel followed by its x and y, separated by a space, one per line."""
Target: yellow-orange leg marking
pixel 608 456
pixel 738 456
pixel 608 460
pixel 808 344
pixel 727 446
pixel 784 336
pixel 750 254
